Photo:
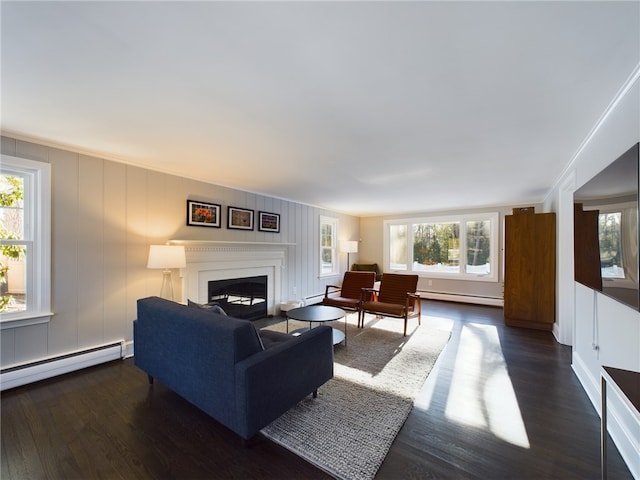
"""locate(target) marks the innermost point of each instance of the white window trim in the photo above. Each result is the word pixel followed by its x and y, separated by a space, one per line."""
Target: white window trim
pixel 336 260
pixel 39 265
pixel 493 217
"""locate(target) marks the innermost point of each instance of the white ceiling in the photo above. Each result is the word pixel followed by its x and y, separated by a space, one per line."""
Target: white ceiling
pixel 361 107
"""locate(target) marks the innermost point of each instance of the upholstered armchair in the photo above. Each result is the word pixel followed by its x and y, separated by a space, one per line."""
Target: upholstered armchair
pixel 350 295
pixel 397 298
pixel 368 267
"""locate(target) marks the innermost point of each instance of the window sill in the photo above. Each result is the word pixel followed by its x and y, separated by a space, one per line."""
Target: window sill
pixel 25 319
pixel 328 275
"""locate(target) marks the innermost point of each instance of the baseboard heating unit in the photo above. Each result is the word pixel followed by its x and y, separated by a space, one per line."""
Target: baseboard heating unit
pixel 313 299
pixel 462 298
pixel 18 375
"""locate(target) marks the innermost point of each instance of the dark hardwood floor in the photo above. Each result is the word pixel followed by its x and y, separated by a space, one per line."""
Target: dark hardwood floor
pixel 501 403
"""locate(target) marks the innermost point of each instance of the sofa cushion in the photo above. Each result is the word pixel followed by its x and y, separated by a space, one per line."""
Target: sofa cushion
pixel 393 309
pixel 270 338
pixel 342 302
pixel 259 337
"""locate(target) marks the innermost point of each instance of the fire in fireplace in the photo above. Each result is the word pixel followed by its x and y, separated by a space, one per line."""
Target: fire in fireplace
pixel 241 297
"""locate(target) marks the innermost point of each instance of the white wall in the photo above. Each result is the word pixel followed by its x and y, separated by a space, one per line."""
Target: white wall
pixel 587 318
pixel 105 215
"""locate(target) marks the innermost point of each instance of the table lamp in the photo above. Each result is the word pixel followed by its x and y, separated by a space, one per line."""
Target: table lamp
pixel 166 257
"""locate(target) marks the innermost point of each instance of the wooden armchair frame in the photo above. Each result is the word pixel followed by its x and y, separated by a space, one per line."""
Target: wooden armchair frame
pixel 350 297
pixel 396 298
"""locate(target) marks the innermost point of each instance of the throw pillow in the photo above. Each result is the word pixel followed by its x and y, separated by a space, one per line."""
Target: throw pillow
pixel 210 307
pixel 215 308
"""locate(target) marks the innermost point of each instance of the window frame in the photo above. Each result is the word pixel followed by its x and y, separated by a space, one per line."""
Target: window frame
pixel 462 220
pixel 37 234
pixel 335 263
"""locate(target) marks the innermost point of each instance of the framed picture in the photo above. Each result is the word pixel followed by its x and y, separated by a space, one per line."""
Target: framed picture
pixel 269 222
pixel 202 214
pixel 239 218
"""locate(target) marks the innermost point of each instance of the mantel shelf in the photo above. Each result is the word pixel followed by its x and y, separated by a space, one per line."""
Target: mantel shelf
pixel 229 242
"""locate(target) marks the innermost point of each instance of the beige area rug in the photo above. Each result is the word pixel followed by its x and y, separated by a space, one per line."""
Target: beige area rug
pixel 348 429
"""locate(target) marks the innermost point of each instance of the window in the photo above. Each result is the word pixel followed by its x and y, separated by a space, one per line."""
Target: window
pixel 398 252
pixel 461 246
pixel 24 239
pixel 436 247
pixel 328 246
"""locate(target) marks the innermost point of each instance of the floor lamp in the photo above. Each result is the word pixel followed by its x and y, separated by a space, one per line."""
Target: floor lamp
pixel 348 246
pixel 166 257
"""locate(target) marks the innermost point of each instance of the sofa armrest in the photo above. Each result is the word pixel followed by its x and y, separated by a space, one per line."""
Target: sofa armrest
pixel 272 381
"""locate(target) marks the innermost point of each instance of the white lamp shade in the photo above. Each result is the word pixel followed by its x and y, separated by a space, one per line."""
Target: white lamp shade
pixel 349 246
pixel 166 256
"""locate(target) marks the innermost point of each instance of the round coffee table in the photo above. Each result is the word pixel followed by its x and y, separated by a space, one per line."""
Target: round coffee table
pixel 319 314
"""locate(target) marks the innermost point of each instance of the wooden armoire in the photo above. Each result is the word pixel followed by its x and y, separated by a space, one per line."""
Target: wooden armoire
pixel 530 269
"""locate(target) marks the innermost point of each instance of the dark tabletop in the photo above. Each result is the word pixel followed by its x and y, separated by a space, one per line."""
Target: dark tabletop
pixel 628 382
pixel 316 313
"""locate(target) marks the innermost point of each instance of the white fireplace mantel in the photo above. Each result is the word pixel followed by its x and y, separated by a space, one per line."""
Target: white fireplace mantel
pixel 229 242
pixel 215 260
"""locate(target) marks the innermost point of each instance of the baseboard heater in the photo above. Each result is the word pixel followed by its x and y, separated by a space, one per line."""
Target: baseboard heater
pixel 18 375
pixel 313 299
pixel 462 298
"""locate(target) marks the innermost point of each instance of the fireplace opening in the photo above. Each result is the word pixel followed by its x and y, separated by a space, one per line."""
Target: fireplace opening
pixel 240 297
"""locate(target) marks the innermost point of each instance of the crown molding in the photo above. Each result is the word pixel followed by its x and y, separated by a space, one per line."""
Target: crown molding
pixel 618 97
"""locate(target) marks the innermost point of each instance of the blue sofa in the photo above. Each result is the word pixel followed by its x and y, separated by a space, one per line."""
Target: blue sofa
pixel 241 378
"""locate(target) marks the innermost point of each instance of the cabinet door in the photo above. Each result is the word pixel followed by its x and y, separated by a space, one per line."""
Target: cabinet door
pixel 519 266
pixel 529 284
pixel 545 269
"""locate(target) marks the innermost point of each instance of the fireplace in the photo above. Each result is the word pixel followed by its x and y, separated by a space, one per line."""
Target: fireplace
pixel 240 297
pixel 213 261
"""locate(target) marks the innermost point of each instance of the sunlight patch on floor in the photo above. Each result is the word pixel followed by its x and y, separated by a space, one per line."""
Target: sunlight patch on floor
pixel 481 393
pixel 423 402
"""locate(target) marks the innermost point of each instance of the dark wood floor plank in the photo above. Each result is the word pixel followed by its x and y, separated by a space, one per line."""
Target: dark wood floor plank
pixel 20 455
pixel 106 422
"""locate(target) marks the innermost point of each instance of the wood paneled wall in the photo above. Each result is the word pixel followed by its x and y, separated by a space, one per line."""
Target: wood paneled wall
pixel 105 215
